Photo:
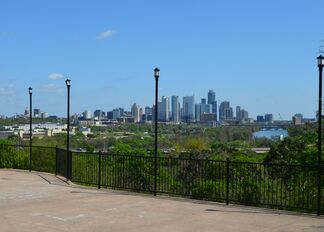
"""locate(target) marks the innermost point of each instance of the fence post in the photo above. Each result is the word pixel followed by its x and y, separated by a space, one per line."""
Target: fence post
pixel 70 165
pixel 227 180
pixel 99 170
pixel 319 190
pixel 155 174
pixel 30 157
pixel 56 158
pixel 67 165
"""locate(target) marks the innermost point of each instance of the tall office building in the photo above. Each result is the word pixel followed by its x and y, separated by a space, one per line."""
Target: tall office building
pixel 116 113
pixel 121 111
pixel 97 114
pixel 160 113
pixel 202 108
pixel 241 114
pixel 37 113
pixel 211 97
pixel 110 115
pixel 26 112
pixel 87 114
pixel 44 115
pixel 260 118
pixel 136 113
pixel 225 111
pixel 238 113
pixel 244 115
pixel 197 112
pixel 212 101
pixel 175 108
pixel 205 108
pixel 189 108
pixel 165 109
pixel 148 113
pixel 268 118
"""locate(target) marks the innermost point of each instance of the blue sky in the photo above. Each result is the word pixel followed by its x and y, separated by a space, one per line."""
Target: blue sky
pixel 260 55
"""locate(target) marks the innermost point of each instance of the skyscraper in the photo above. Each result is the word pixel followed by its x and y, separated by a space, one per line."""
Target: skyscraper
pixel 211 97
pixel 238 113
pixel 225 111
pixel 87 114
pixel 244 115
pixel 241 114
pixel 165 109
pixel 175 108
pixel 202 108
pixel 97 114
pixel 116 113
pixel 160 113
pixel 136 112
pixel 197 112
pixel 212 101
pixel 148 113
pixel 37 113
pixel 188 108
pixel 110 115
pixel 268 118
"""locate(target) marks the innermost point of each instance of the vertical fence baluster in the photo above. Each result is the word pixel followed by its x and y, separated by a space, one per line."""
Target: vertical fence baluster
pixel 56 160
pixel 227 181
pixel 319 190
pixel 99 170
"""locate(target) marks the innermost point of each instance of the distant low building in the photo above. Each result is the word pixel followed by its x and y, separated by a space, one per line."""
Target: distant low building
pixel 208 117
pixel 126 119
pixel 268 118
pixel 297 119
pixel 260 118
pixel 44 115
pixel 85 130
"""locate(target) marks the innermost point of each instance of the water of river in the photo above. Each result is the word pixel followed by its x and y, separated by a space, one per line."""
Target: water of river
pixel 275 133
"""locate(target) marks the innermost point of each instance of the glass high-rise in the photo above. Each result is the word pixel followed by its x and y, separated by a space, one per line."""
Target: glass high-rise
pixel 175 109
pixel 188 108
pixel 212 101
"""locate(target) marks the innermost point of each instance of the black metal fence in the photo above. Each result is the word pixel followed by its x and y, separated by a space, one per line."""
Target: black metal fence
pixel 282 186
pixel 18 157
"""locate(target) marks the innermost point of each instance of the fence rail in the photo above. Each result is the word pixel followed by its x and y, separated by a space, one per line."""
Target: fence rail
pixel 282 186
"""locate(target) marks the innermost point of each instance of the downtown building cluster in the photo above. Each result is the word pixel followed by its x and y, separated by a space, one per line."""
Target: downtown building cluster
pixel 173 111
pixel 37 113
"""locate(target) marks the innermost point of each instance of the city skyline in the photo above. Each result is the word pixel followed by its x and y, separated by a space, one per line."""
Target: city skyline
pixel 208 102
pixel 261 56
pixel 171 110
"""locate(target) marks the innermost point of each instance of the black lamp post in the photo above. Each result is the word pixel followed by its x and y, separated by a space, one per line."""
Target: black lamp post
pixel 30 91
pixel 156 75
pixel 320 63
pixel 68 85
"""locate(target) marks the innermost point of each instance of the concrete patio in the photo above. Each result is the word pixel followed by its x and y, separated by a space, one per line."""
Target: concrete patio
pixel 42 202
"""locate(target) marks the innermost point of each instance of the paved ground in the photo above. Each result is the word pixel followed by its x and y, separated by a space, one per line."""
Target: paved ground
pixel 42 202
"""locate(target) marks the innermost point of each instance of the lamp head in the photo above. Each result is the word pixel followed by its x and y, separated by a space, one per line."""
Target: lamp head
pixel 320 61
pixel 156 72
pixel 30 90
pixel 68 82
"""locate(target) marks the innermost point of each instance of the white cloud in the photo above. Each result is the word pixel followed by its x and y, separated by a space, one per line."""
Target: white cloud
pixel 52 88
pixel 55 76
pixel 7 91
pixel 106 34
